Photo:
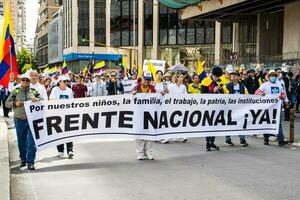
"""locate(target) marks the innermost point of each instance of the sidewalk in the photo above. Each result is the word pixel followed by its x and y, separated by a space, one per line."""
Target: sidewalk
pixel 286 128
pixel 4 162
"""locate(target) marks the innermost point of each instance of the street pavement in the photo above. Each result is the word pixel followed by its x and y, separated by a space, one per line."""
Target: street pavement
pixel 108 170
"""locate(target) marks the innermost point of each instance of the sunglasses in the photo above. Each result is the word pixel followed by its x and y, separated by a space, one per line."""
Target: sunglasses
pixel 25 79
pixel 113 75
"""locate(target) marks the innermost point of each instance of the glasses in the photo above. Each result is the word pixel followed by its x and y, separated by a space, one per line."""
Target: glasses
pixel 113 75
pixel 25 80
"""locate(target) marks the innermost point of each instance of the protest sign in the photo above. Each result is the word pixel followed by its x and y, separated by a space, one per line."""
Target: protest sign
pixel 158 64
pixel 128 85
pixel 151 117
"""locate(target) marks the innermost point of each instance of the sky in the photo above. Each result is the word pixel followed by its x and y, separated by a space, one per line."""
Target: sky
pixel 31 18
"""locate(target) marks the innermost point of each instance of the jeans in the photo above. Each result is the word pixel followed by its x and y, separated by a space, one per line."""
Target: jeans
pixel 61 148
pixel 143 147
pixel 210 140
pixel 26 145
pixel 280 136
pixel 242 137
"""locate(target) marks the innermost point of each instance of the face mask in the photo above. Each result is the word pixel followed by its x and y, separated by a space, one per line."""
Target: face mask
pixel 273 79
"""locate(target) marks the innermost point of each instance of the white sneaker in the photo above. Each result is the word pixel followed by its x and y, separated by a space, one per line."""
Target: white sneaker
pixel 150 157
pixel 60 154
pixel 141 157
pixel 71 155
pixel 164 141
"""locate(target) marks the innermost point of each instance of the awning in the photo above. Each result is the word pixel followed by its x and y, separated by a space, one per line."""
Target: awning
pixel 86 56
pixel 178 4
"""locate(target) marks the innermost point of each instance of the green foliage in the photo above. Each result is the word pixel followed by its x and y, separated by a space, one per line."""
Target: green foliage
pixel 23 57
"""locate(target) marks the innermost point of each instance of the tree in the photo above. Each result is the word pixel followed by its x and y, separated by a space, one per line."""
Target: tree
pixel 23 57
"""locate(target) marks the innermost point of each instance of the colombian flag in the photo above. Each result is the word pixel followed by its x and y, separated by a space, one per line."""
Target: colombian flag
pixel 99 67
pixel 85 71
pixel 52 71
pixel 65 69
pixel 123 67
pixel 200 70
pixel 8 61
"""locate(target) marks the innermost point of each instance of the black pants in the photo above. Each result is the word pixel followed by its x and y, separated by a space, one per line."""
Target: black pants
pixel 5 110
pixel 61 148
pixel 210 140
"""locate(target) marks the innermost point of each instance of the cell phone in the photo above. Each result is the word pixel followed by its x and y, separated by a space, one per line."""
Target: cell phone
pixel 165 87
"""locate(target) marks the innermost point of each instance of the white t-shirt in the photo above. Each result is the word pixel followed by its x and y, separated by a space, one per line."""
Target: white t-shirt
pixel 57 93
pixel 174 89
pixel 269 88
pixel 41 90
pixel 159 87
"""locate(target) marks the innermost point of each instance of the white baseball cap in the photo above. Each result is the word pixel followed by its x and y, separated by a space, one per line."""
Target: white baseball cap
pixel 229 69
pixel 62 78
pixel 147 75
pixel 26 75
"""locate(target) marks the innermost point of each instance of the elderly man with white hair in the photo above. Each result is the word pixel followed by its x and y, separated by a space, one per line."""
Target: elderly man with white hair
pixel 34 83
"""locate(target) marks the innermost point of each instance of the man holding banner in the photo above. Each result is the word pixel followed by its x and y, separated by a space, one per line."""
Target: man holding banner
pixel 274 87
pixel 144 147
pixel 18 96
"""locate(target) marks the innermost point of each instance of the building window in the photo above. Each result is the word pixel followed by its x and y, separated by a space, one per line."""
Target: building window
pixel 209 32
pixel 83 22
pixel 148 23
pixel 68 23
pixel 173 31
pixel 226 40
pixel 226 30
pixel 121 21
pixel 247 40
pixel 99 22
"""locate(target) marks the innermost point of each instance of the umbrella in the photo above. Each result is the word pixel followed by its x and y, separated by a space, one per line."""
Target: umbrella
pixel 178 67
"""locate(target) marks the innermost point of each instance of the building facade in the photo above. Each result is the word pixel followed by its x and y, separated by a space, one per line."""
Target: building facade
pixel 56 38
pixel 18 15
pixel 45 13
pixel 220 32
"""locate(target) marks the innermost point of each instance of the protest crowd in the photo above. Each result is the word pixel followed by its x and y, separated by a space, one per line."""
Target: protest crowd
pixel 63 84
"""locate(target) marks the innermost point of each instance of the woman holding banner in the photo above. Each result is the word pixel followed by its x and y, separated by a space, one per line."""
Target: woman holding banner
pixel 62 91
pixel 177 88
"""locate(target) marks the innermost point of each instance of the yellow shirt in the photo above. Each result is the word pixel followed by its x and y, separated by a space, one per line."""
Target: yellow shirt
pixel 194 89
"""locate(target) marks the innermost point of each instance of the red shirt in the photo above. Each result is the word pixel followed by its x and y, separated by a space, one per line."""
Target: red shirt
pixel 79 90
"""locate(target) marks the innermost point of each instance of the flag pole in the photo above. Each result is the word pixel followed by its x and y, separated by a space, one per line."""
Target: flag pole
pixel 10 59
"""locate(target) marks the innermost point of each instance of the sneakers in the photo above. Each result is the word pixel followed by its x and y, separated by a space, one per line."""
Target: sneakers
pixel 150 157
pixel 212 146
pixel 71 155
pixel 244 143
pixel 30 166
pixel 266 142
pixel 164 141
pixel 23 163
pixel 60 154
pixel 208 147
pixel 229 143
pixel 184 140
pixel 141 157
pixel 282 143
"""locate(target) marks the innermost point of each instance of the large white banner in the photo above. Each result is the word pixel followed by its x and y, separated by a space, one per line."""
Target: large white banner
pixel 151 117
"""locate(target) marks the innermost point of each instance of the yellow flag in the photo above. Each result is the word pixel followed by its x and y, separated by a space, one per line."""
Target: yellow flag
pixel 152 69
pixel 200 67
pixel 140 72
